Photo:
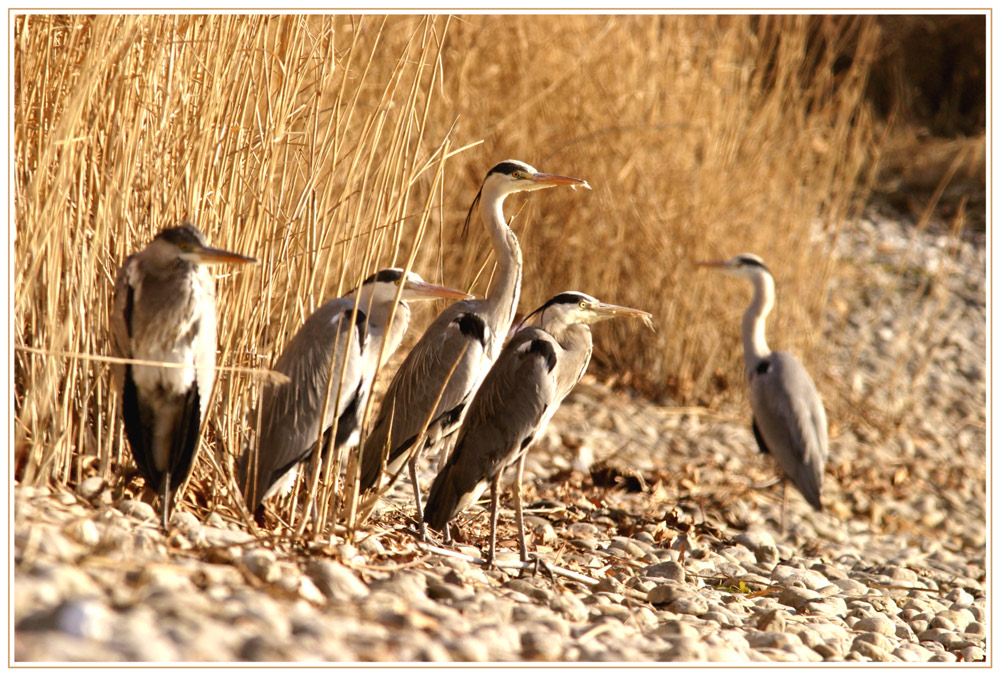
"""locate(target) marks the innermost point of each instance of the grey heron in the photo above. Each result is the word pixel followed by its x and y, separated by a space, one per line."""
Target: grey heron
pixel 789 421
pixel 164 311
pixel 532 375
pixel 292 413
pixel 439 376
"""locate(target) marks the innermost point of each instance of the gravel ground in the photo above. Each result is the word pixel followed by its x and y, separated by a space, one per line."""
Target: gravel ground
pixel 662 507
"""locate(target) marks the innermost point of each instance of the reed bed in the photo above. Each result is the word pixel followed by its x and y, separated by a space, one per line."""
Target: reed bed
pixel 331 146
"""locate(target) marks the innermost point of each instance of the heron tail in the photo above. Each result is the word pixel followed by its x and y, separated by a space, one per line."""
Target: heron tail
pixel 807 481
pixel 442 501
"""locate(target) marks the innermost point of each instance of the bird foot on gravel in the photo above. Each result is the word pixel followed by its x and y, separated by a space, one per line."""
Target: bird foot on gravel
pixel 533 564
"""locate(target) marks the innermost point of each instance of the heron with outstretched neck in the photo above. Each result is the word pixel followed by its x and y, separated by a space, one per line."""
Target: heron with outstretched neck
pixel 521 392
pixel 164 311
pixel 428 395
pixel 789 421
pixel 338 350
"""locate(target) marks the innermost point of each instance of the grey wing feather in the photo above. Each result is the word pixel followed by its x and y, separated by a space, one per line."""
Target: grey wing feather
pixel 290 412
pixel 137 416
pixel 120 317
pixel 420 380
pixel 504 417
pixel 791 420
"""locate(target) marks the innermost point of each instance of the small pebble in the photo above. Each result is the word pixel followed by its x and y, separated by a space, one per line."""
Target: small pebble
pixel 91 487
pixel 85 532
pixel 876 623
pixel 138 510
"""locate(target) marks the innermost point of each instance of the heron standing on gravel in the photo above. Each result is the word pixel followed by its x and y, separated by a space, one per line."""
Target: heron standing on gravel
pixel 788 417
pixel 534 372
pixel 164 311
pixel 341 343
pixel 430 391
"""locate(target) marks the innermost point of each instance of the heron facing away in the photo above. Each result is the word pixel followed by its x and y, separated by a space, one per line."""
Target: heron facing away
pixel 534 372
pixel 348 333
pixel 429 393
pixel 164 311
pixel 789 421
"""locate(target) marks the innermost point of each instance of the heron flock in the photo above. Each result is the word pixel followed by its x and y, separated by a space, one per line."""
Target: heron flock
pixel 460 391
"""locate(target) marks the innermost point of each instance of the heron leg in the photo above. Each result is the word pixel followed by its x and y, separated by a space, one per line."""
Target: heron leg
pixel 166 500
pixel 494 509
pixel 522 546
pixel 416 495
pixel 784 503
pixel 447 534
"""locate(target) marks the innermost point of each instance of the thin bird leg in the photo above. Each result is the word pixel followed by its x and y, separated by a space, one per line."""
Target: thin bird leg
pixel 784 503
pixel 519 511
pixel 166 500
pixel 494 509
pixel 416 494
pixel 447 534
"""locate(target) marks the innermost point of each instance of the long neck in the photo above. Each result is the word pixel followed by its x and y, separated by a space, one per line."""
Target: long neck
pixel 501 300
pixel 754 344
pixel 577 343
pixel 573 337
pixel 377 319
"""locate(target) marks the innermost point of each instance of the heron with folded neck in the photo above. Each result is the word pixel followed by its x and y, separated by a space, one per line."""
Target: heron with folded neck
pixel 337 351
pixel 164 311
pixel 524 388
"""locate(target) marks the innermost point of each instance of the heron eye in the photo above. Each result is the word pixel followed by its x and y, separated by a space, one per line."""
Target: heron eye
pixel 516 174
pixel 583 304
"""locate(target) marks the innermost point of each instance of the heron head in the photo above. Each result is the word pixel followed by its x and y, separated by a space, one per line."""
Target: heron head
pixel 186 242
pixel 385 283
pixel 745 266
pixel 574 307
pixel 511 176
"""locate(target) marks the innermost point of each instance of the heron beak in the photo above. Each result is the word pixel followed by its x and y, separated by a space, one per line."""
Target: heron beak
pixel 712 264
pixel 607 311
pixel 209 256
pixel 620 310
pixel 429 291
pixel 548 180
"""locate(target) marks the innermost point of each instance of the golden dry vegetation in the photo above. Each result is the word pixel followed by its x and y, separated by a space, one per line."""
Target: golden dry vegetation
pixel 328 147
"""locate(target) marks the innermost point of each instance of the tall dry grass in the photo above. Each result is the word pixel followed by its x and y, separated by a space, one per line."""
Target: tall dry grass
pixel 331 146
pixel 702 137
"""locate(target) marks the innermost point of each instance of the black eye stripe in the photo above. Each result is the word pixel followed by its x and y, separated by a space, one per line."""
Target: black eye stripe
pixel 507 168
pixel 567 298
pixel 751 262
pixel 183 235
pixel 386 275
